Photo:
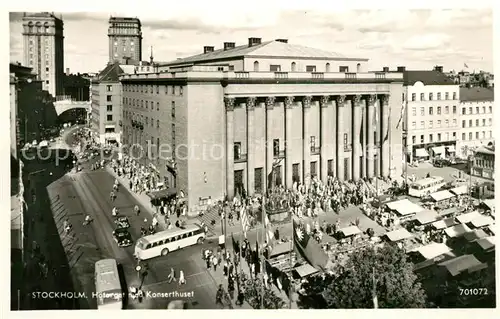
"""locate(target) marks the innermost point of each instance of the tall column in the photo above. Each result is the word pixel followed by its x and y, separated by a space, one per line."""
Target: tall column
pixel 370 136
pixel 356 132
pixel 250 146
pixel 270 100
pixel 289 100
pixel 306 151
pixel 385 136
pixel 340 136
pixel 364 131
pixel 229 103
pixel 325 138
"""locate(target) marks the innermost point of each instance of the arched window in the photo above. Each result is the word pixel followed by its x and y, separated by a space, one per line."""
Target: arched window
pixel 39 27
pixel 294 67
pixel 46 26
pixel 358 68
pixel 30 27
pixel 327 67
pixel 256 66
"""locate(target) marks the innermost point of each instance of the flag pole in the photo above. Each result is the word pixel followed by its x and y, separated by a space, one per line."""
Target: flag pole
pixel 374 290
pixel 291 265
pixel 261 257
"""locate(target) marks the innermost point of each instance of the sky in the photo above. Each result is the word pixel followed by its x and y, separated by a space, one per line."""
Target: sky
pixel 418 39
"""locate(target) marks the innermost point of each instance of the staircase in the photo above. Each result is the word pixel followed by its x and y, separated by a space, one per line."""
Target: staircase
pixel 207 218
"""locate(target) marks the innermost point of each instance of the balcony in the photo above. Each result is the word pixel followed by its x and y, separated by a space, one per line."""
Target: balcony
pixel 351 76
pixel 279 154
pixel 317 75
pixel 241 158
pixel 347 147
pixel 315 150
pixel 281 75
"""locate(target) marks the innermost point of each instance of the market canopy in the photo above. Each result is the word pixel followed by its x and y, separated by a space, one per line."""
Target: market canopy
pixel 490 203
pixel 421 152
pixel 444 223
pixel 441 195
pixel 399 234
pixel 457 265
pixel 460 190
pixel 305 270
pixel 486 243
pixel 163 193
pixel 433 250
pixel 281 249
pixel 404 207
pixel 350 231
pixel 482 221
pixel 426 216
pixel 457 230
pixel 468 217
pixel 475 235
pixel 438 149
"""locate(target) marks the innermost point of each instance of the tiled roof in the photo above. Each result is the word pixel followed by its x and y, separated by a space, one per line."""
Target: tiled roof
pixel 427 78
pixel 476 94
pixel 110 73
pixel 268 48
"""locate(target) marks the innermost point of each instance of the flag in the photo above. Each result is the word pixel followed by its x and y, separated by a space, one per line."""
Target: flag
pixel 376 114
pixel 309 249
pixel 466 66
pixel 245 222
pixel 403 106
pixel 236 245
pixel 374 290
pixel 269 230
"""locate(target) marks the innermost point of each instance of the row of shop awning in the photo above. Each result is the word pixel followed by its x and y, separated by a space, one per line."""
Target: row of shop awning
pixel 422 152
pixel 404 207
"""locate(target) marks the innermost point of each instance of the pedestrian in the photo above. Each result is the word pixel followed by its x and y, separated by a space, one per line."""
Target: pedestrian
pixel 225 269
pixel 182 280
pixel 171 276
pixel 215 262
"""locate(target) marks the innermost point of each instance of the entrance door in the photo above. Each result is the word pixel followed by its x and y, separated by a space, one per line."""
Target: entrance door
pixel 238 182
pixel 295 173
pixel 314 166
pixel 277 175
pixel 258 180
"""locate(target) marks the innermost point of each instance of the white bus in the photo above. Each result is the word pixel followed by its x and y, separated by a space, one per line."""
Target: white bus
pixel 109 291
pixel 426 186
pixel 161 243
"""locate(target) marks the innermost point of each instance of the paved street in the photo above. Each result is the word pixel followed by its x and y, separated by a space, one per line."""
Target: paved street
pixel 449 173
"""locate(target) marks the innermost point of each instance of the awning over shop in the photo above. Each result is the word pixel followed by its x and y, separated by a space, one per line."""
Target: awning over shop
pixel 281 249
pixel 491 228
pixel 404 207
pixel 441 195
pixel 421 152
pixel 426 216
pixel 486 243
pixel 450 149
pixel 475 235
pixel 305 270
pixel 433 250
pixel 444 223
pixel 468 217
pixel 350 231
pixel 490 203
pixel 164 193
pixel 482 221
pixel 399 234
pixel 438 149
pixel 460 190
pixel 463 263
pixel 457 230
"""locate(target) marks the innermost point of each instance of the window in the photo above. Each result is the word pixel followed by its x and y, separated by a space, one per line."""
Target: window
pixel 484 109
pixel 477 135
pixel 237 150
pixel 422 124
pixel 345 139
pixel 47 82
pixel 275 68
pixel 430 138
pixel 439 137
pixel 490 109
pixel 108 98
pixel 422 141
pixel 414 96
pixel 422 111
pixel 484 122
pixel 327 67
pixel 454 109
pixel 414 139
pixel 484 134
pixel 151 89
pixel 109 117
pixel 413 125
pixel 477 110
pixel 454 95
pixel 463 111
pixel 454 122
pixel 181 90
pixel 147 120
pixel 446 109
pixel 470 136
pixel 109 108
pixel 47 69
pixel 447 96
pixel 490 122
pixel 343 69
pixel 173 89
pixel 231 68
pixel 439 96
pixel 439 123
pixel 157 89
pixel 470 123
pixel 470 110
pixel 414 111
pixel 256 66
pixel 431 110
pixel 422 97
pixel 447 136
pixel 491 134
pixel 446 123
pixel 276 147
pixel 430 96
pixel 157 123
pixel 157 106
pixel 477 122
pixel 109 88
pixel 310 68
pixel 431 124
pixel 439 110
pixel 463 136
pixel 166 89
pixel 312 142
pixel 173 109
pixel 454 135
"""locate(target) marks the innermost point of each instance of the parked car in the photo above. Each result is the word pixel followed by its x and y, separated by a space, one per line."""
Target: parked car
pixel 122 237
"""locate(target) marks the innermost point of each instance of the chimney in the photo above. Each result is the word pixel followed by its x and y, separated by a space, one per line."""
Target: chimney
pixel 438 68
pixel 282 40
pixel 228 46
pixel 207 49
pixel 385 69
pixel 67 71
pixel 401 68
pixel 254 41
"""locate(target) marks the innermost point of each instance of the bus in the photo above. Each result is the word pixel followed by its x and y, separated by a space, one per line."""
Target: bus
pixel 109 291
pixel 161 243
pixel 426 186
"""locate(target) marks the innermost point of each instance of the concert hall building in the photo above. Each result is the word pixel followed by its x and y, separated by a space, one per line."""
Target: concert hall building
pixel 234 115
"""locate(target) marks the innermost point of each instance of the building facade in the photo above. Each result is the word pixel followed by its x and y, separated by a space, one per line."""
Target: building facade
pixel 483 163
pixel 241 119
pixel 106 107
pixel 43 41
pixel 476 118
pixel 432 114
pixel 125 39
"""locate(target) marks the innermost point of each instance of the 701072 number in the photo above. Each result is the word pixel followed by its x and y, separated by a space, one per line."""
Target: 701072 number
pixel 473 292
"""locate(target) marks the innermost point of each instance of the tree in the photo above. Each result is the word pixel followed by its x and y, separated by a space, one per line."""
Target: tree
pixel 253 291
pixel 395 283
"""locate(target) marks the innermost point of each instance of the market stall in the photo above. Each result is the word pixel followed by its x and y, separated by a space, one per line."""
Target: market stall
pixel 463 263
pixel 460 190
pixel 405 209
pixel 426 217
pixel 444 223
pixel 399 234
pixel 441 196
pixel 457 230
pixel 487 243
pixel 305 270
pixel 481 221
pixel 468 217
pixel 475 235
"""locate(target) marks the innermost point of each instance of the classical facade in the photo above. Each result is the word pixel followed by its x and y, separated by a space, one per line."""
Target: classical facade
pixel 432 116
pixel 476 118
pixel 125 39
pixel 44 49
pixel 483 164
pixel 214 127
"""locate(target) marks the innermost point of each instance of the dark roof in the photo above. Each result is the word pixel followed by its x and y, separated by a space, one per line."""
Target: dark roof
pixel 427 78
pixel 486 150
pixel 476 94
pixel 110 73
